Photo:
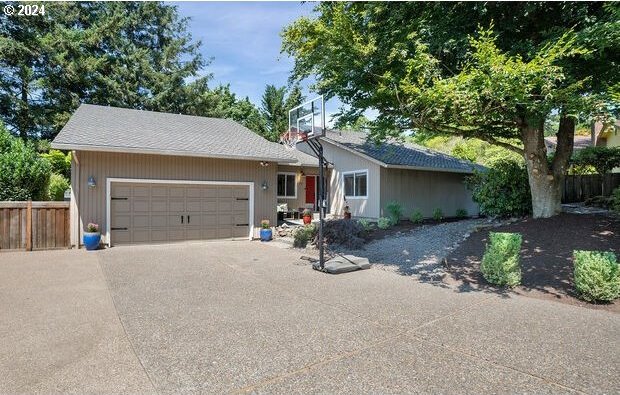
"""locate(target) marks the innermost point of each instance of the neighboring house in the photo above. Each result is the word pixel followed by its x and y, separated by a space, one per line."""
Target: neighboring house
pixel 607 136
pixel 155 177
pixel 366 177
pixel 580 142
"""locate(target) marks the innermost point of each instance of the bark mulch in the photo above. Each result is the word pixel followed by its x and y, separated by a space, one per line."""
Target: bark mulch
pixel 546 255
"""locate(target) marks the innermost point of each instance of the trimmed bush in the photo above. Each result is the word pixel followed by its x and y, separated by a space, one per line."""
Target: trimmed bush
pixel 384 223
pixel 302 235
pixel 503 190
pixel 615 200
pixel 350 234
pixel 416 217
pixel 57 187
pixel 461 213
pixel 366 224
pixel 500 264
pixel 597 276
pixel 394 211
pixel 437 214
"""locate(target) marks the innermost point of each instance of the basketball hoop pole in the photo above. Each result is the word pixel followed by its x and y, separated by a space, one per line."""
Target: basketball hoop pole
pixel 317 147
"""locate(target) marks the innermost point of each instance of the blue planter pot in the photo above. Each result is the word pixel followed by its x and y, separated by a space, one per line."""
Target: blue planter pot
pixel 265 234
pixel 91 240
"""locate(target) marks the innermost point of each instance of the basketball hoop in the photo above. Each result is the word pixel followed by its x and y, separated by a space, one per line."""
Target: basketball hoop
pixel 291 138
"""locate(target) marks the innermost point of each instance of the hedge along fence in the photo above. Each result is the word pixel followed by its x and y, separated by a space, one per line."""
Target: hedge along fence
pixel 579 188
pixel 34 225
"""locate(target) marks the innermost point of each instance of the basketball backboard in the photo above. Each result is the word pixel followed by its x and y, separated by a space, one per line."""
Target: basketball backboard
pixel 308 118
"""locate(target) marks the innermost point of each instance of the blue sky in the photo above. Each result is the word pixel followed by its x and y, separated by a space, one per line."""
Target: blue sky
pixel 243 38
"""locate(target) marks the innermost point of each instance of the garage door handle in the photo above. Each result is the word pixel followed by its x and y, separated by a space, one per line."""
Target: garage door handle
pixel 113 228
pixel 188 219
pixel 241 224
pixel 243 198
pixel 181 219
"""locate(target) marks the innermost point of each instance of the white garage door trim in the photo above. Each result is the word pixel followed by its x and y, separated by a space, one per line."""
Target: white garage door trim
pixel 108 192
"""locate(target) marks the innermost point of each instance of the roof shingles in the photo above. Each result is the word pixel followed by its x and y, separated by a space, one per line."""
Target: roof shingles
pixel 125 130
pixel 396 153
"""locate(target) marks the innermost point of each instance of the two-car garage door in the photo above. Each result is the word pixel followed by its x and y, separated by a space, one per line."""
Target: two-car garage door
pixel 156 212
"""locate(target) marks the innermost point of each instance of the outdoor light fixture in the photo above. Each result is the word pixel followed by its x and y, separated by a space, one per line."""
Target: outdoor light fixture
pixel 264 185
pixel 91 182
pixel 264 164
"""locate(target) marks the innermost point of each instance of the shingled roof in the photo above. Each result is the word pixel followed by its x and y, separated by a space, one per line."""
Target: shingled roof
pixel 112 129
pixel 399 154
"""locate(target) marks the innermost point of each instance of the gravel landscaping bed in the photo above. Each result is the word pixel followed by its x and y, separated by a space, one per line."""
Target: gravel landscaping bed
pixel 419 252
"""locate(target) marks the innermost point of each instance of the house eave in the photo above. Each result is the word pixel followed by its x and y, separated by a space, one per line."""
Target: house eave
pixel 134 150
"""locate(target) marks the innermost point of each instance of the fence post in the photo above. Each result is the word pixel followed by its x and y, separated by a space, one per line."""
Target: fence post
pixel 29 226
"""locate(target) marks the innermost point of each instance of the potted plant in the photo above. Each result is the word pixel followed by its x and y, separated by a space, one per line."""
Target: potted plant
pixel 347 212
pixel 265 231
pixel 307 216
pixel 92 236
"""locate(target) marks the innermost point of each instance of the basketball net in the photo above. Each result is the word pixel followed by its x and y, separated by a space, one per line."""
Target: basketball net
pixel 291 138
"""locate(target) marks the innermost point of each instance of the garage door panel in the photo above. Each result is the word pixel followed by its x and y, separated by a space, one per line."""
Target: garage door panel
pixel 121 221
pixel 160 213
pixel 141 221
pixel 159 220
pixel 159 206
pixel 120 206
pixel 140 206
pixel 141 191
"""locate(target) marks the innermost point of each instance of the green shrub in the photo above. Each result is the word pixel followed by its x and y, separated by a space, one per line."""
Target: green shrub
pixel 384 223
pixel 615 200
pixel 503 190
pixel 23 173
pixel 416 216
pixel 597 276
pixel 350 234
pixel 461 213
pixel 60 162
pixel 302 235
pixel 57 187
pixel 500 263
pixel 437 214
pixel 394 211
pixel 366 224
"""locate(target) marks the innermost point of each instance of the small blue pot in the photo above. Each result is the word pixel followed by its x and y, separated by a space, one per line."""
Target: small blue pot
pixel 91 240
pixel 265 234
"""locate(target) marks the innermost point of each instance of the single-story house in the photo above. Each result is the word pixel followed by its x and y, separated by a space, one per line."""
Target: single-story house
pixel 149 177
pixel 366 177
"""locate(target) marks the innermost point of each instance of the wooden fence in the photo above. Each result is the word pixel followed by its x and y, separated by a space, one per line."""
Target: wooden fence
pixel 580 188
pixel 34 225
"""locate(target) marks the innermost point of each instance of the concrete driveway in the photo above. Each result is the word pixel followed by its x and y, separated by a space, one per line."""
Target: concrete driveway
pixel 241 317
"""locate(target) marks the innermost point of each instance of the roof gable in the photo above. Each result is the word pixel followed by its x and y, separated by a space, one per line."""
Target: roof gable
pixel 100 128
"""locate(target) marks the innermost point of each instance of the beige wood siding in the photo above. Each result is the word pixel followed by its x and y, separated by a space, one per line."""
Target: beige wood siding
pixel 102 165
pixel 345 161
pixel 300 200
pixel 426 191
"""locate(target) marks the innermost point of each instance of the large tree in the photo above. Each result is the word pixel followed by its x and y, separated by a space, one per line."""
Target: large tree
pixel 128 54
pixel 493 71
pixel 275 105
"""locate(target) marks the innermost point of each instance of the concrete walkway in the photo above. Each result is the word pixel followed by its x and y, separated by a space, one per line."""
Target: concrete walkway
pixel 241 317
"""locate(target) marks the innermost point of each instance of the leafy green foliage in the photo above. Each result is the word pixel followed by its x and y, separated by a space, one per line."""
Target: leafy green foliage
pixel 302 235
pixel 416 217
pixel 23 173
pixel 615 200
pixel 366 224
pixel 461 213
pixel 500 263
pixel 58 184
pixel 437 214
pixel 603 159
pixel 395 211
pixel 597 276
pixel 61 163
pixel 384 223
pixel 503 190
pixel 275 107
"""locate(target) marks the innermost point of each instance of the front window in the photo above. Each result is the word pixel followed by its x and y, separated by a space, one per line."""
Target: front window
pixel 287 185
pixel 356 184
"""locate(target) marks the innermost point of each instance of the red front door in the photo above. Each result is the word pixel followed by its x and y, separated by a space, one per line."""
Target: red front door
pixel 310 189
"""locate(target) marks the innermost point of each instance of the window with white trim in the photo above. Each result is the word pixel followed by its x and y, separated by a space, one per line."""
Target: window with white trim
pixel 287 185
pixel 355 184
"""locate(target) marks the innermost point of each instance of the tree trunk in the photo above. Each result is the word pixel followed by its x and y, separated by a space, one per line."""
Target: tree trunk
pixel 22 122
pixel 545 180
